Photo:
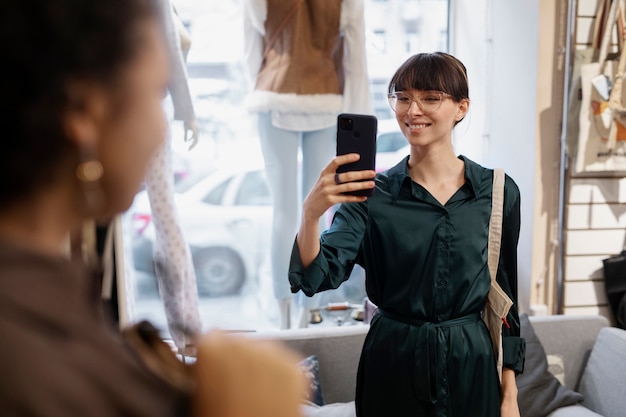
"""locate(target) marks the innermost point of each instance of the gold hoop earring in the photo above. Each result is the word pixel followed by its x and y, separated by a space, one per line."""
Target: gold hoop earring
pixel 89 172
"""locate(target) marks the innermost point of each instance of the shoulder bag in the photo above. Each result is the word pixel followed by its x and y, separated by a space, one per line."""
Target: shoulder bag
pixel 498 303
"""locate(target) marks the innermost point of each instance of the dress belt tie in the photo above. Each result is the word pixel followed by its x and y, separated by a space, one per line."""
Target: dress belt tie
pixel 427 352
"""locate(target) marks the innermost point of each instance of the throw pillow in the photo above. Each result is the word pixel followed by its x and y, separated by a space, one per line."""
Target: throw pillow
pixel 311 368
pixel 539 392
pixel 556 367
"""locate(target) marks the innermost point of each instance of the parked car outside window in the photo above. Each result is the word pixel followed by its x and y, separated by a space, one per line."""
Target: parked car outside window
pixel 225 217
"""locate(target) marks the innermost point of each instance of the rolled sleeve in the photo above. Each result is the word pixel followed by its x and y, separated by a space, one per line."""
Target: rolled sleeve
pixel 309 280
pixel 514 347
pixel 514 353
pixel 339 247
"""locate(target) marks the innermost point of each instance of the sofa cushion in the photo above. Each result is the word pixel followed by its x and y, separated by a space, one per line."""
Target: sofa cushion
pixel 330 410
pixel 556 367
pixel 570 337
pixel 311 369
pixel 603 383
pixel 539 392
pixel 574 411
pixel 337 349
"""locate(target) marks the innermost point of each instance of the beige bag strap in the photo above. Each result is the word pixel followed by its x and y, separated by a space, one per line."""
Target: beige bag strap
pixel 498 302
pixel 616 97
pixel 616 92
pixel 495 222
pixel 606 37
pixel 602 9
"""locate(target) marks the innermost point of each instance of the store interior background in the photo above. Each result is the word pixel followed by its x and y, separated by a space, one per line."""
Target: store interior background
pixel 518 57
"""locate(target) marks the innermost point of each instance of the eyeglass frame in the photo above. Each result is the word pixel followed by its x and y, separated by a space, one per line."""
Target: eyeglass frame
pixel 417 101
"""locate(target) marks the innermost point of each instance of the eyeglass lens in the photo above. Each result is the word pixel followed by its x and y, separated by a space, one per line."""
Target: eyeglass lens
pixel 429 101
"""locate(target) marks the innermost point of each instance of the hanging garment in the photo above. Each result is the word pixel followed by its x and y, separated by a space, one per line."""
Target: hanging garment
pixel 173 263
pixel 174 267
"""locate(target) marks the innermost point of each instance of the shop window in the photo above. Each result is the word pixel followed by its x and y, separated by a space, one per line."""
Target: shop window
pixel 222 197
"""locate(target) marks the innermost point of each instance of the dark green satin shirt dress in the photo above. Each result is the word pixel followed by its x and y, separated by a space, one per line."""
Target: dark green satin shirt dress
pixel 427 352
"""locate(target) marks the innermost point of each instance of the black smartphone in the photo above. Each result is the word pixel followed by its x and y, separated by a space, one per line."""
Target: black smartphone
pixel 356 133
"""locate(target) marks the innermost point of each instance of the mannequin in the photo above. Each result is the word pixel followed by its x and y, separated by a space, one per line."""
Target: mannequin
pixel 174 267
pixel 297 100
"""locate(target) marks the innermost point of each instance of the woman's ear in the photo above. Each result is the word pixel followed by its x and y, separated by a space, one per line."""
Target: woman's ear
pixel 85 113
pixel 463 108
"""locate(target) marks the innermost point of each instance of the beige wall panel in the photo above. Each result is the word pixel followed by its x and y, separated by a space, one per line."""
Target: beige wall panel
pixel 596 216
pixel 594 242
pixel 584 294
pixel 587 7
pixel 588 311
pixel 584 30
pixel 579 46
pixel 597 190
pixel 583 268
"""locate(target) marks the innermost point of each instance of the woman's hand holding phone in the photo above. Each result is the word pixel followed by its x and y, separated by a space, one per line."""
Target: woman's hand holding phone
pixel 349 178
pixel 331 187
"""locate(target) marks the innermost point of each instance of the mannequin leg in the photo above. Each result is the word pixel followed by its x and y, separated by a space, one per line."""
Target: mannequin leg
pixel 174 267
pixel 318 149
pixel 280 153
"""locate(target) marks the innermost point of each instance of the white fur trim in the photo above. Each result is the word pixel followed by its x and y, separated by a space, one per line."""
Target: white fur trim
pixel 259 101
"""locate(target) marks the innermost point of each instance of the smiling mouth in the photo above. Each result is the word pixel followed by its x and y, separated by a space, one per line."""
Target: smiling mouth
pixel 418 125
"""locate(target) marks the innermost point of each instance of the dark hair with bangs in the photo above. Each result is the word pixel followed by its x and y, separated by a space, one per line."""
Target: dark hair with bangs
pixel 432 71
pixel 48 45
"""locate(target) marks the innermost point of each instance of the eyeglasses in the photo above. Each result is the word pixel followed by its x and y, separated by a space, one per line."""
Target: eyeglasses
pixel 429 101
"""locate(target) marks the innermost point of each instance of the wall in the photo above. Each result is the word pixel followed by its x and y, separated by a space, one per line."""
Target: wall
pixel 552 64
pixel 595 216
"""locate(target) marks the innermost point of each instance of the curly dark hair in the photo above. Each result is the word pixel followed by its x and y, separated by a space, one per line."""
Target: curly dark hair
pixel 47 44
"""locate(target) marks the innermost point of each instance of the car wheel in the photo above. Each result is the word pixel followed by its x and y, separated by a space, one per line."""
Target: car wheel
pixel 219 271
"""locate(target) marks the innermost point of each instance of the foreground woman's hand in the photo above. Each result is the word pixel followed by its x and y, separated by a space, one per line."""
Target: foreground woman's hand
pixel 239 377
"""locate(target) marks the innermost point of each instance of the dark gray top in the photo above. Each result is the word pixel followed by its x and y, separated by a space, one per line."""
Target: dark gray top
pixel 57 355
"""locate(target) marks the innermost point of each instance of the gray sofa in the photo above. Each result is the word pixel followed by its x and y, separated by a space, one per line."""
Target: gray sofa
pixel 590 354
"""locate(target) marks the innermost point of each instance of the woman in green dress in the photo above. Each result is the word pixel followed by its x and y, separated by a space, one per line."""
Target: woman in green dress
pixel 422 240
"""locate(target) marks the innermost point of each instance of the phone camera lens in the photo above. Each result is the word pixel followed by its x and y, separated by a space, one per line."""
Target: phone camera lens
pixel 345 123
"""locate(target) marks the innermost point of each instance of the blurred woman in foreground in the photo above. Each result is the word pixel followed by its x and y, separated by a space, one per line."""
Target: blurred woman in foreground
pixel 81 108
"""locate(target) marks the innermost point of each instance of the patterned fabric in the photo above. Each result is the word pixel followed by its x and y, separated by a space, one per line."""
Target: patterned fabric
pixel 172 256
pixel 311 368
pixel 174 268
